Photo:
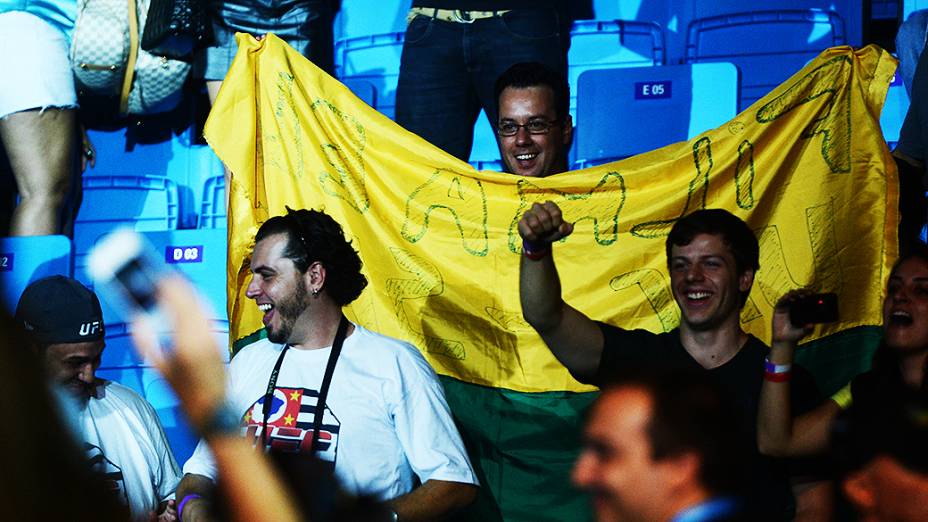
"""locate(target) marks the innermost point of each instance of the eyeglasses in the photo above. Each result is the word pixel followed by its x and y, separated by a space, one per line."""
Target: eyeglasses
pixel 536 126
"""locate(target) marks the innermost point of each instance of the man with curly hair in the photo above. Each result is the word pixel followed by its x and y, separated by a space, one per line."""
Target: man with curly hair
pixel 377 410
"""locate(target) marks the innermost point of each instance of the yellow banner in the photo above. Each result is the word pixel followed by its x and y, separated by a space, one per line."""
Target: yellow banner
pixel 806 167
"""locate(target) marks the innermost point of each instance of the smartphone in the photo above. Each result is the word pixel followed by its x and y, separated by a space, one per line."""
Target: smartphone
pixel 814 309
pixel 126 271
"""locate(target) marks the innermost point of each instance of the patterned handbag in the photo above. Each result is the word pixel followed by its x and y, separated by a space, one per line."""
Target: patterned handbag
pixel 158 81
pixel 107 59
pixel 100 46
pixel 176 28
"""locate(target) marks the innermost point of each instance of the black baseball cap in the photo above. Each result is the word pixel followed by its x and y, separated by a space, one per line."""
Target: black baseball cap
pixel 59 309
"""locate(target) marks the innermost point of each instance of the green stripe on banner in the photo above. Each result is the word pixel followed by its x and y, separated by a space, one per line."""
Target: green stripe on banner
pixel 522 446
pixel 838 358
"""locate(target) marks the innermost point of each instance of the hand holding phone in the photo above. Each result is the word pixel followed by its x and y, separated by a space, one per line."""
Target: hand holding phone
pixel 126 272
pixel 814 309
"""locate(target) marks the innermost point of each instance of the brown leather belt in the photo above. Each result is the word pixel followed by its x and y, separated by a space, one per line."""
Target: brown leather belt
pixel 453 15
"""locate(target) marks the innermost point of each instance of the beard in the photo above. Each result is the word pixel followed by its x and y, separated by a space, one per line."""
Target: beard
pixel 79 390
pixel 288 310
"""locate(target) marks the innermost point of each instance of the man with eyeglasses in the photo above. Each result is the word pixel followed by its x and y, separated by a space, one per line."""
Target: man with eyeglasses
pixel 369 407
pixel 534 127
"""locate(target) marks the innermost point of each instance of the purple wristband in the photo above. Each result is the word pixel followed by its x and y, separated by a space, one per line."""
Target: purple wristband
pixel 535 250
pixel 183 502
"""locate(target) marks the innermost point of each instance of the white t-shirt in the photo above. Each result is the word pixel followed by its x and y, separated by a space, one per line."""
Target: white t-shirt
pixel 385 423
pixel 125 441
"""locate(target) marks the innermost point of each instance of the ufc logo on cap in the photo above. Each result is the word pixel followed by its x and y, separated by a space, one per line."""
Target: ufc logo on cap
pixel 89 328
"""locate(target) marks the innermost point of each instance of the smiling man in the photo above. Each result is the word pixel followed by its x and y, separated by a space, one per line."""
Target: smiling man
pixel 534 128
pixel 661 446
pixel 121 432
pixel 712 257
pixel 368 406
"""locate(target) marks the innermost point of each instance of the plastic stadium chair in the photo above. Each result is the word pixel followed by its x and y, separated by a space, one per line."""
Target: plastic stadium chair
pixel 213 207
pixel 767 46
pixel 374 59
pixel 485 150
pixel 162 153
pixel 201 256
pixel 908 6
pixel 623 112
pixel 25 259
pixel 609 44
pixel 140 202
pixel 894 110
pixel 363 89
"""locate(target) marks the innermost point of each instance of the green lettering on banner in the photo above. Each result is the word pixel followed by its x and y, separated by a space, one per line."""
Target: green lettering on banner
pixel 462 197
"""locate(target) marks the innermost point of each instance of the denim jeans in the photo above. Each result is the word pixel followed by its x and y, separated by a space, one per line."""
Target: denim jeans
pixel 910 40
pixel 913 137
pixel 913 65
pixel 304 24
pixel 448 70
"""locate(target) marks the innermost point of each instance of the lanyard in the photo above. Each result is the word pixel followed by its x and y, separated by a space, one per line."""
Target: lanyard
pixel 323 390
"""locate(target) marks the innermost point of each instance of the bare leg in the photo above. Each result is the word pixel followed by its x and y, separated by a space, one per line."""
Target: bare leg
pixel 40 145
pixel 212 89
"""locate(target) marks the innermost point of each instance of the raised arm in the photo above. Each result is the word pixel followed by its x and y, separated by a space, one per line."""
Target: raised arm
pixel 195 371
pixel 572 337
pixel 778 433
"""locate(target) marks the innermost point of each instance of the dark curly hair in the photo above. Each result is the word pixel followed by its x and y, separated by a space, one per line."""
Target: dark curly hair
pixel 313 236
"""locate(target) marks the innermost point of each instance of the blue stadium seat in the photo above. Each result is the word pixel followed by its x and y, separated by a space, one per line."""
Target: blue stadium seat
pixel 376 59
pixel 494 165
pixel 201 256
pixel 363 89
pixel 115 154
pixel 141 202
pixel 198 254
pixel 894 110
pixel 25 259
pixel 609 44
pixel 213 206
pixel 908 6
pixel 767 46
pixel 618 108
pixel 485 150
pixel 171 155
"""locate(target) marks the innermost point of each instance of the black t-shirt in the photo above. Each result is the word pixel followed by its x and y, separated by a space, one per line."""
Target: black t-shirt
pixel 873 389
pixel 740 379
